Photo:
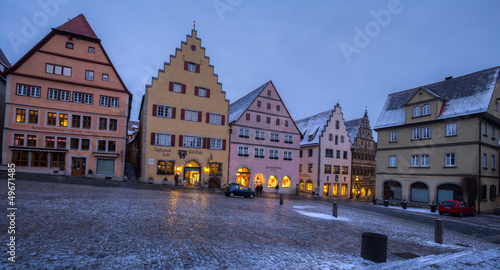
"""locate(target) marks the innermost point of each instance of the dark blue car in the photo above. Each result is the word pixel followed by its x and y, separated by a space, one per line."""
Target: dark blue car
pixel 238 190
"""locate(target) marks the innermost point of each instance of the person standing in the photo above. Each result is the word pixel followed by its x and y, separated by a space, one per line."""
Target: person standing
pixel 176 178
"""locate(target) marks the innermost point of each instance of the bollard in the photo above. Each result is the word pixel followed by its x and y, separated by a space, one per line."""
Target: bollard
pixel 281 199
pixel 374 247
pixel 438 232
pixel 335 209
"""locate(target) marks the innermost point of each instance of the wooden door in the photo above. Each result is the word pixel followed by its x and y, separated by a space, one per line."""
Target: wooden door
pixel 78 166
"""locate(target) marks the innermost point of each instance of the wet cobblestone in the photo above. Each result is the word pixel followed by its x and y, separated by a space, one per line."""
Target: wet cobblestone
pixel 63 226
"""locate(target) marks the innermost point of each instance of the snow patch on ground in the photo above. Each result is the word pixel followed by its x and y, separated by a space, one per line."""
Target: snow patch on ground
pixel 321 216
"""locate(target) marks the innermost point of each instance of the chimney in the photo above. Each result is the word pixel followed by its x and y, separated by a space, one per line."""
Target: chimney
pixel 448 78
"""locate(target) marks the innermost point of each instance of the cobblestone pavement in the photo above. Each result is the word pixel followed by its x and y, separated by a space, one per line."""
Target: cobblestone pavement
pixel 65 226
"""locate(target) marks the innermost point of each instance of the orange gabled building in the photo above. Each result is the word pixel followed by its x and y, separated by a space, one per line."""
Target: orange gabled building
pixel 66 107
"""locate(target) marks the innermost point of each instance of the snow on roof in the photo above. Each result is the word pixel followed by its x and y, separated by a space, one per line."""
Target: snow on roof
pixel 3 59
pixel 352 127
pixel 311 127
pixel 237 108
pixel 465 95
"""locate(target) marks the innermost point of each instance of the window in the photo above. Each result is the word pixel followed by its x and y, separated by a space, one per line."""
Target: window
pixel 192 141
pixel 328 169
pixel 426 132
pixel 163 139
pixel 337 124
pixel 493 192
pixel 105 166
pixel 20 158
pixel 191 67
pixel 101 145
pixel 392 161
pixel 177 87
pixel 330 137
pixel 166 167
pixel 53 94
pixel 485 129
pixel 19 139
pixel 215 119
pixel 113 102
pixel 268 106
pixel 216 143
pixel 58 70
pixel 336 139
pixel 243 151
pixel 426 109
pixel 424 160
pixel 34 91
pixel 104 101
pixel 485 160
pixel 496 105
pixel 451 129
pixel 113 124
pixel 300 168
pixel 287 155
pixel 49 68
pixel 268 120
pixel 75 121
pixel 278 107
pixel 415 133
pixel 268 93
pixel 244 133
pixel 85 144
pixel 58 160
pixel 309 152
pixel 69 45
pixel 202 92
pixel 286 183
pixel 190 115
pixel 164 111
pixel 336 169
pixel 77 97
pixel 416 111
pixel 51 119
pixel 310 167
pixel 87 122
pixel 33 117
pixel 50 142
pixel 61 142
pixel 338 154
pixel 342 139
pixel 111 146
pixel 259 152
pixel 63 120
pixel 67 71
pixel 300 153
pixel 450 160
pixel 345 155
pixel 89 75
pixel 103 123
pixel 393 136
pixel 39 159
pixel 91 50
pixel 74 143
pixel 277 122
pixel 215 169
pixel 288 138
pixel 275 137
pixel 345 169
pixel 64 95
pixel 493 162
pixel 87 98
pixel 328 152
pixel 415 160
pixel 22 90
pixel 260 135
pixel 105 77
pixel 286 123
pixel 274 154
pixel 259 104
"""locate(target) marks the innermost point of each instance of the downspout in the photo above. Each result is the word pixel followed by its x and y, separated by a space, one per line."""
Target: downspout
pixel 479 168
pixel 229 151
pixel 319 162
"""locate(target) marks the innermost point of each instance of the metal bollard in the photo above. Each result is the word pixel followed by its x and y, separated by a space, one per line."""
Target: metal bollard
pixel 438 232
pixel 281 199
pixel 335 209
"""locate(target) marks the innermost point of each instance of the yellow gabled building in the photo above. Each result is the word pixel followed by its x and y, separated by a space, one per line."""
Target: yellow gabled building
pixel 183 122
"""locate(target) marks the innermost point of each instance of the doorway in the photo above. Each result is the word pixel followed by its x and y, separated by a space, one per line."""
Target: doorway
pixel 326 189
pixel 78 166
pixel 192 173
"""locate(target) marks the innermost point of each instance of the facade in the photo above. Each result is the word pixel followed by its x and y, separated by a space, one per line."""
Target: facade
pixel 4 65
pixel 132 151
pixel 363 153
pixel 66 107
pixel 183 121
pixel 440 142
pixel 325 154
pixel 265 142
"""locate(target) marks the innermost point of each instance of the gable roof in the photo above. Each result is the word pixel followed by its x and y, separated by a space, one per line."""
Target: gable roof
pixel 312 127
pixel 237 108
pixel 78 25
pixel 465 95
pixel 352 127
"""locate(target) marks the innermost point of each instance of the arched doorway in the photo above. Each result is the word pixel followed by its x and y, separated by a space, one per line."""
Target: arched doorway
pixel 392 190
pixel 450 192
pixel 214 182
pixel 273 181
pixel 192 173
pixel 259 180
pixel 301 184
pixel 309 185
pixel 419 192
pixel 286 182
pixel 243 177
pixel 363 192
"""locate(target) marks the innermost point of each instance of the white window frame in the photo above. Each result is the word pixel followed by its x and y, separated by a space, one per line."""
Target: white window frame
pixel 259 152
pixel 260 135
pixel 274 153
pixel 53 94
pixel 393 136
pixel 426 109
pixel 414 160
pixel 287 155
pixel 113 102
pixel 244 132
pixel 64 95
pixel 416 111
pixel 163 139
pixel 393 161
pixel 215 119
pixel 424 160
pixel 451 129
pixel 66 71
pixel 426 133
pixel 450 160
pixel 191 115
pixel 288 138
pixel 192 141
pixel 243 151
pixel 415 133
pixel 177 87
pixel 202 92
pixel 216 143
pixel 274 137
pixel 89 75
pixel 35 91
pixel 104 101
pixel 77 97
pixel 22 90
pixel 485 161
pixel 191 67
pixel 88 98
pixel 164 111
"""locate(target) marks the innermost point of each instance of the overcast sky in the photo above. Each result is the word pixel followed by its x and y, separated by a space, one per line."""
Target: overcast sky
pixel 317 53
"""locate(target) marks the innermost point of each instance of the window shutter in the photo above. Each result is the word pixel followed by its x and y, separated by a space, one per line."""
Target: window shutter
pixel 208 143
pixel 185 65
pixel 155 109
pixel 224 144
pixel 223 120
pixel 173 112
pixel 183 88
pixel 182 114
pixel 197 68
pixel 172 140
pixel 153 138
pixel 171 86
pixel 208 93
pixel 199 116
pixel 208 118
pixel 196 91
pixel 180 140
pixel 204 146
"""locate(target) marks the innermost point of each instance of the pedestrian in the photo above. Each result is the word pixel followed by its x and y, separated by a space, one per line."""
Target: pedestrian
pixel 277 188
pixel 260 189
pixel 176 178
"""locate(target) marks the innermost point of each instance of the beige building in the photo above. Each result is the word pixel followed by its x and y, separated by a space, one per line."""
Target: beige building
pixel 440 142
pixel 183 122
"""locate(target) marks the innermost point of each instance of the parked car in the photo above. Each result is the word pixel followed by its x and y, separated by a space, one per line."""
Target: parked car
pixel 238 190
pixel 457 208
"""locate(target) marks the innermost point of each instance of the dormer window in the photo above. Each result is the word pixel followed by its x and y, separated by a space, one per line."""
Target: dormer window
pixel 426 109
pixel 91 50
pixel 416 111
pixel 69 45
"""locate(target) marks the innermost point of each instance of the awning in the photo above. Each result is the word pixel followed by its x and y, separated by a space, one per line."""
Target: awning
pixel 34 149
pixel 108 155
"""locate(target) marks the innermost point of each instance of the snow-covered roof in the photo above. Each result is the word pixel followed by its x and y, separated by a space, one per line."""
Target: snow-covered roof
pixel 312 127
pixel 352 127
pixel 237 108
pixel 465 95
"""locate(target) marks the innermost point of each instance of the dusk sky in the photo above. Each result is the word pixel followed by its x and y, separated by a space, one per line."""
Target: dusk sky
pixel 317 53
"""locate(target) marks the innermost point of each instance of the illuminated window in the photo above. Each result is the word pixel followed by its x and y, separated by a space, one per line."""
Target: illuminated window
pixel 309 185
pixel 273 181
pixel 310 168
pixel 287 183
pixel 63 120
pixel 335 190
pixel 259 180
pixel 343 190
pixel 243 176
pixel 50 142
pixel 61 142
pixel 301 184
pixel 19 139
pixel 51 119
pixel 215 169
pixel 165 167
pixel 33 117
pixel 20 115
pixel 31 141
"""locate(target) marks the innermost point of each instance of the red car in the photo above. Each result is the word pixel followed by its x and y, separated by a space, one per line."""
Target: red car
pixel 457 208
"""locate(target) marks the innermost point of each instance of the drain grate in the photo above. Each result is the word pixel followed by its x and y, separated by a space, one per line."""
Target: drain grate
pixel 406 255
